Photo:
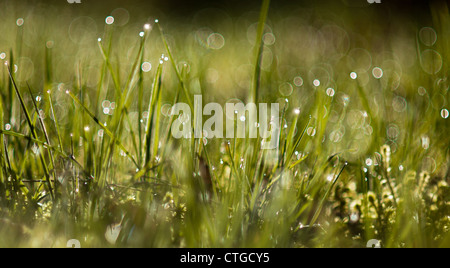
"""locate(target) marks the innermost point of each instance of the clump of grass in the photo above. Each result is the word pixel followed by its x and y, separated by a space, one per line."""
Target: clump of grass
pixel 87 153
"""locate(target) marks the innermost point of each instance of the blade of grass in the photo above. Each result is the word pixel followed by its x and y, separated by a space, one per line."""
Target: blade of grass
pixel 172 60
pixel 33 131
pixel 44 129
pixel 153 97
pixel 325 196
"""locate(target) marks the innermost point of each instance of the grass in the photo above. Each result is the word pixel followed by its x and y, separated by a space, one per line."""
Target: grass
pixel 87 151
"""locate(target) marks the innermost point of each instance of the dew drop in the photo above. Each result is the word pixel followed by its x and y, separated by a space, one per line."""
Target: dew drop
pixel 354 217
pixel 311 131
pixel 422 91
pixel 425 142
pixel 428 36
pixel 286 89
pixel 444 113
pixel 330 92
pixel 215 41
pixel 106 104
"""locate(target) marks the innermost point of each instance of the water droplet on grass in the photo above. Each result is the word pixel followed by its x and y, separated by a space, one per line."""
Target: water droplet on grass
pixel 106 104
pixel 330 92
pixel 146 67
pixel 109 20
pixel 431 61
pixel 428 36
pixel 377 72
pixel 311 131
pixel 354 217
pixel 216 41
pixel 298 81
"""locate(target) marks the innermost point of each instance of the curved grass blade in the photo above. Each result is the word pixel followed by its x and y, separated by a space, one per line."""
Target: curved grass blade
pixel 259 45
pixel 33 131
pixel 153 97
pixel 107 131
pixel 297 142
pixel 325 197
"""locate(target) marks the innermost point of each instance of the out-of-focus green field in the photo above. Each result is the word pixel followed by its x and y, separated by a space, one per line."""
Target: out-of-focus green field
pixel 85 115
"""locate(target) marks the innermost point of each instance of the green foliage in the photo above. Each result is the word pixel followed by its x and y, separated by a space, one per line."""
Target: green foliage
pixel 87 152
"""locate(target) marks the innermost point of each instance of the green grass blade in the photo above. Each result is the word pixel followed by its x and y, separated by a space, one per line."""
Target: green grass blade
pixel 259 45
